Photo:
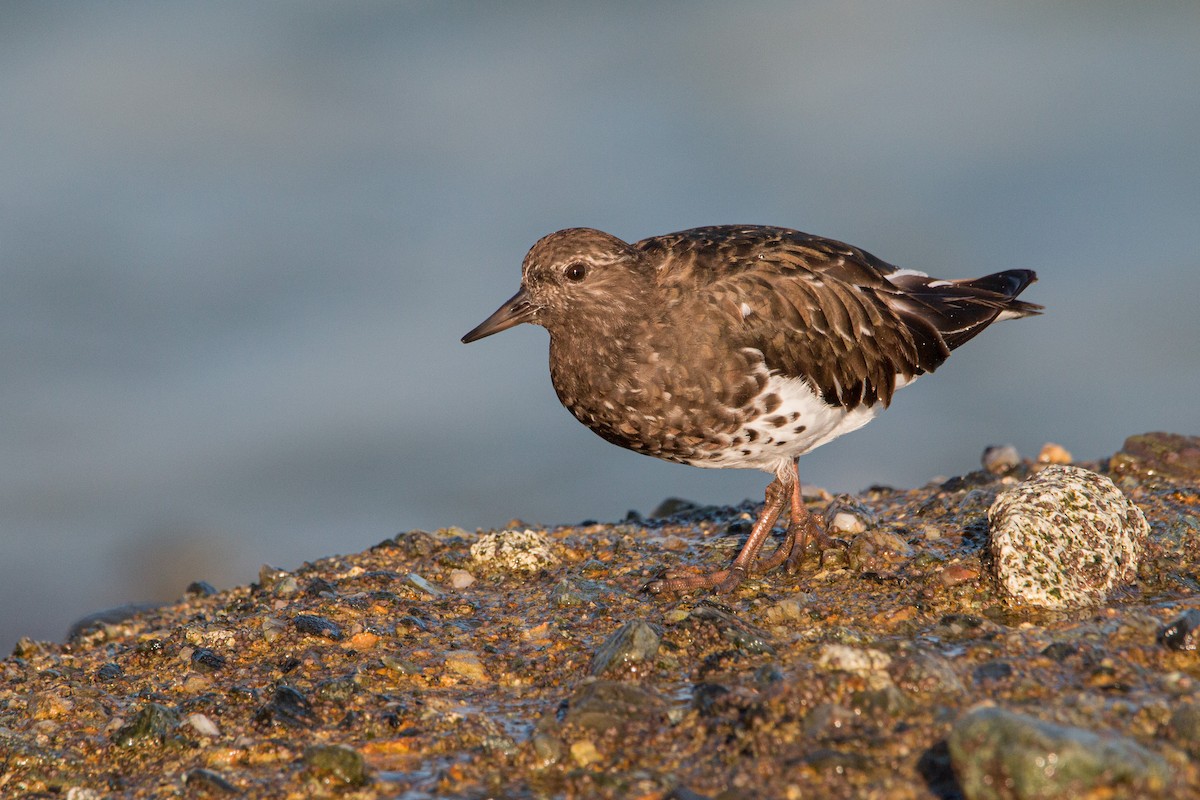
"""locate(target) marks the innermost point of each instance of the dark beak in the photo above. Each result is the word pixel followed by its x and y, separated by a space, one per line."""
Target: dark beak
pixel 513 312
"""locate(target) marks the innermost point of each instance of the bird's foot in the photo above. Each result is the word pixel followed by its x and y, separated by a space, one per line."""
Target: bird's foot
pixel 721 581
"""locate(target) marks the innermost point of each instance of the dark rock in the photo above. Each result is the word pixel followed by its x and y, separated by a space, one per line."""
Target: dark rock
pixel 1060 651
pixel 207 783
pixel 599 706
pixel 1180 633
pixel 626 649
pixel 745 637
pixel 991 671
pixel 109 616
pixel 154 722
pixel 417 543
pixel 200 589
pixel 672 506
pixel 288 707
pixel 109 672
pixel 315 625
pixel 207 660
pixel 1000 755
pixel 336 764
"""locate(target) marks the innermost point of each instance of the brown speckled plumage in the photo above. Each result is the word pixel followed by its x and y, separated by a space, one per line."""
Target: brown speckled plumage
pixel 739 346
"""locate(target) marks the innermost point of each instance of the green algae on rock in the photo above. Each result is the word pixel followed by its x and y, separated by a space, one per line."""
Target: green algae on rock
pixel 1064 538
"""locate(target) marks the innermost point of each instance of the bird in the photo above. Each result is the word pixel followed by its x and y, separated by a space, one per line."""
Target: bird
pixel 740 346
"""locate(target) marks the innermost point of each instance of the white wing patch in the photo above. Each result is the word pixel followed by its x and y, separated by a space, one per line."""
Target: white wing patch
pixel 903 273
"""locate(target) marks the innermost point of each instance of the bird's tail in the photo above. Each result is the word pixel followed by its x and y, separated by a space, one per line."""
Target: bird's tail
pixel 959 310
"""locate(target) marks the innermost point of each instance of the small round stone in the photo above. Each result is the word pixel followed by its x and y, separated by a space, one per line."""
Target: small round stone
pixel 1000 459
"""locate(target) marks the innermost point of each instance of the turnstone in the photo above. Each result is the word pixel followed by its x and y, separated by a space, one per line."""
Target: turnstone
pixel 740 346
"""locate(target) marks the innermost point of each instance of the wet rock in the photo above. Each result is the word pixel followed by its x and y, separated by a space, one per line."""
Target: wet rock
pixel 514 551
pixel 287 707
pixel 1184 727
pixel 1180 633
pixel 466 664
pixel 599 706
pixel 338 690
pixel 924 672
pixel 584 753
pixel 854 660
pixel 957 574
pixel 1168 455
pixel 315 625
pixel 1001 459
pixel 572 592
pixel 109 671
pixel 202 782
pixel 1064 538
pixel 745 637
pixel 992 671
pixel 1006 756
pixel 628 649
pixel 878 551
pixel 153 723
pixel 848 516
pixel 336 764
pixel 207 660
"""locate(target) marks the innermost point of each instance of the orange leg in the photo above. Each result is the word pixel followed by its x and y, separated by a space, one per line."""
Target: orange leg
pixel 791 550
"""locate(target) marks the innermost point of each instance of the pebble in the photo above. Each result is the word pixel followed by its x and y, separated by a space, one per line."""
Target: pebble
pixel 584 753
pixel 336 764
pixel 599 706
pixel 1063 538
pixel 514 551
pixel 466 664
pixel 315 625
pixel 459 579
pixel 1052 453
pixel 202 724
pixel 1001 755
pixel 627 649
pixel 847 516
pixel 957 574
pixel 864 662
pixel 878 551
pixel 424 585
pixel 154 722
pixel 1180 633
pixel 1001 459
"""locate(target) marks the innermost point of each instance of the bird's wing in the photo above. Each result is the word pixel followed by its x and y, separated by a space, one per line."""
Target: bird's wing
pixel 816 308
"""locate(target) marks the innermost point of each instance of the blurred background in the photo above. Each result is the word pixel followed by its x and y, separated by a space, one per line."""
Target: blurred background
pixel 239 243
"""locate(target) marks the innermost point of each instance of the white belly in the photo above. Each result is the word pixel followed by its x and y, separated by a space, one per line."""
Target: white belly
pixel 802 423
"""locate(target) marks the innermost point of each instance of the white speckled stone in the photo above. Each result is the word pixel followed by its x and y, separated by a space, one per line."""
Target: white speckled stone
pixel 514 551
pixel 1064 538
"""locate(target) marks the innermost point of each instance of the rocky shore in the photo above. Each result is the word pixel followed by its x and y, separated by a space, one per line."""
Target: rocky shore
pixel 1025 631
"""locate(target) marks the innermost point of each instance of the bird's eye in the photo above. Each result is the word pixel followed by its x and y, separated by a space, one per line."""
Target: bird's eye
pixel 575 271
